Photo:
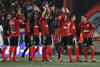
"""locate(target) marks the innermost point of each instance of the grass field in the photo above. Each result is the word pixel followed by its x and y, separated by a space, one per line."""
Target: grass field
pixel 65 63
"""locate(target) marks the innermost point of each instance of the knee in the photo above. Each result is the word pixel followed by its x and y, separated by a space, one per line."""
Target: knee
pixel 92 47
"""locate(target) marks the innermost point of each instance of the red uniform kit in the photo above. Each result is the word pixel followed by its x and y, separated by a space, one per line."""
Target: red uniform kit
pixel 86 30
pixel 66 33
pixel 73 31
pixel 15 32
pixel 35 40
pixel 44 38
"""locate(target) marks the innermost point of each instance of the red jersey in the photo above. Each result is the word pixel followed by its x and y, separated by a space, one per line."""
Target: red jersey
pixel 73 30
pixel 43 26
pixel 66 28
pixel 14 24
pixel 36 29
pixel 27 27
pixel 86 29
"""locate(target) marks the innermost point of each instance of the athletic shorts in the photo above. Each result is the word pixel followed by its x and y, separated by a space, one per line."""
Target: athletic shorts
pixel 14 41
pixel 6 42
pixel 44 39
pixel 27 41
pixel 35 40
pixel 51 40
pixel 66 40
pixel 87 42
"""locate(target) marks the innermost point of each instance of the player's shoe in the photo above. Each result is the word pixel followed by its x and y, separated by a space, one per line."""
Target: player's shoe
pixel 72 60
pixel 46 60
pixel 9 60
pixel 42 60
pixel 51 60
pixel 59 60
pixel 34 59
pixel 86 60
pixel 22 58
pixel 2 60
pixel 79 60
pixel 30 59
pixel 93 60
pixel 14 60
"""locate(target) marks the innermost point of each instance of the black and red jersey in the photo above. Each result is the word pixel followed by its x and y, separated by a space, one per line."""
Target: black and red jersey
pixel 44 26
pixel 36 29
pixel 14 24
pixel 27 27
pixel 86 29
pixel 73 29
pixel 66 28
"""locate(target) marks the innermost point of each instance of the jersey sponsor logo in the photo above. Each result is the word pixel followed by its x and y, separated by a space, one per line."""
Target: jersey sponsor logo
pixel 87 25
pixel 36 26
pixel 46 25
pixel 65 27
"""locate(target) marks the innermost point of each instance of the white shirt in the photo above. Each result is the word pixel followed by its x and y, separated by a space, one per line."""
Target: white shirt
pixel 1 36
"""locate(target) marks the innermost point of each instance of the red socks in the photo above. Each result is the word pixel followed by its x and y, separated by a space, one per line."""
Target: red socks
pixel 50 56
pixel 59 53
pixel 77 53
pixel 10 52
pixel 43 53
pixel 92 54
pixel 33 51
pixel 14 52
pixel 48 52
pixel 3 53
pixel 85 53
pixel 30 52
pixel 70 54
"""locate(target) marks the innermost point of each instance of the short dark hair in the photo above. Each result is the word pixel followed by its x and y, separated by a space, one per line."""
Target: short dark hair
pixel 84 15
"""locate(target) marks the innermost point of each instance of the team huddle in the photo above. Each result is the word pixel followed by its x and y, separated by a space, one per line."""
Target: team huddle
pixel 42 22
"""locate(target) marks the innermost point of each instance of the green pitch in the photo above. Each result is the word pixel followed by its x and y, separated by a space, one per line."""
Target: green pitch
pixel 65 63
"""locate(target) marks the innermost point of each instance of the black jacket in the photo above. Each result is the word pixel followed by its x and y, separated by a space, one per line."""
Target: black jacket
pixel 6 28
pixel 52 23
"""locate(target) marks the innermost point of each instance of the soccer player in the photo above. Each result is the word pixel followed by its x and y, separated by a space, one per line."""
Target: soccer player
pixel 87 29
pixel 44 32
pixel 73 18
pixel 51 26
pixel 35 27
pixel 66 34
pixel 15 32
pixel 64 18
pixel 6 34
